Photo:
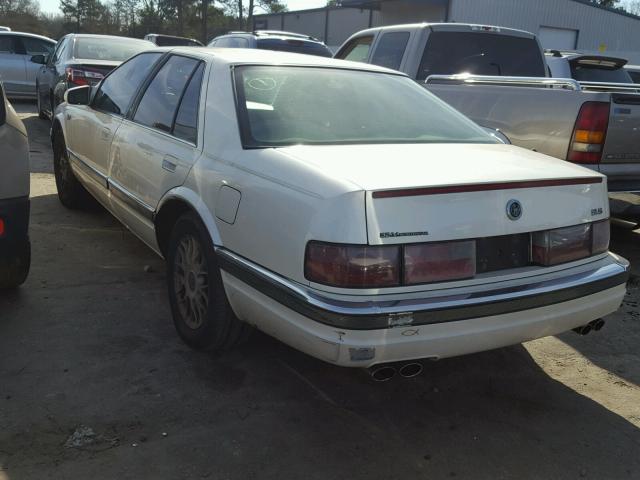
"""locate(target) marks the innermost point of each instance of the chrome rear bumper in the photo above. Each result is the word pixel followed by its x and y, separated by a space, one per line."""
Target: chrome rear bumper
pixel 448 305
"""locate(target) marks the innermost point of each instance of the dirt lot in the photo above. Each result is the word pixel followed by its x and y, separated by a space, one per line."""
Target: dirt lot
pixel 94 383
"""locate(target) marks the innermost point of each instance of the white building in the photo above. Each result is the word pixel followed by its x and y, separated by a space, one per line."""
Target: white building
pixel 561 24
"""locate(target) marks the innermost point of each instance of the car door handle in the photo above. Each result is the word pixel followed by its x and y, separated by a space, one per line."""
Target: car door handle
pixel 170 163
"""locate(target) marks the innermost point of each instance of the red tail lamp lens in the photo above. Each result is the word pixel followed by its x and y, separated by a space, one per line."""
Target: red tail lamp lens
pixel 438 262
pixel 589 133
pixel 353 266
pixel 2 227
pixel 561 245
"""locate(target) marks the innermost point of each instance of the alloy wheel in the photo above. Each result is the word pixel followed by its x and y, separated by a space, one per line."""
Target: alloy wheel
pixel 191 282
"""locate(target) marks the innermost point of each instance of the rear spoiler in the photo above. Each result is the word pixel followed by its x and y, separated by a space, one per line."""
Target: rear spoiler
pixel 598 61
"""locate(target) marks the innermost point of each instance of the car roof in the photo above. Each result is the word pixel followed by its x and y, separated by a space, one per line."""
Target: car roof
pixel 93 35
pixel 25 34
pixel 250 56
pixel 449 27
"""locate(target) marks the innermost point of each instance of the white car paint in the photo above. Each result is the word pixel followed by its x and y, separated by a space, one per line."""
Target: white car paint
pixel 289 196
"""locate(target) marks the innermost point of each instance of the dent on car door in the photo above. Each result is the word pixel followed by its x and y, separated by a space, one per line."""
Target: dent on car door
pixel 154 150
pixel 90 129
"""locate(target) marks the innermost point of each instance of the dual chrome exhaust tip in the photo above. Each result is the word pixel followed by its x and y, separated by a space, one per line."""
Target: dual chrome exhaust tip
pixel 595 325
pixel 385 372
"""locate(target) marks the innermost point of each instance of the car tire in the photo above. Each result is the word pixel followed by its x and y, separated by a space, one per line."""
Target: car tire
pixel 70 191
pixel 41 113
pixel 201 311
pixel 15 270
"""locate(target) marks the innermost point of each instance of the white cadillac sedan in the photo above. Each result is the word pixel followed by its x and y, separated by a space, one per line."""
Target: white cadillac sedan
pixel 338 207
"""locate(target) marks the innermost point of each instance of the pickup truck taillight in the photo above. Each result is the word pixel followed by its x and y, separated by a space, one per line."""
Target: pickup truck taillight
pixel 589 133
pixel 82 77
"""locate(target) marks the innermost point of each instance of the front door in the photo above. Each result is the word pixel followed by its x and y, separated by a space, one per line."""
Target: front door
pixel 154 150
pixel 12 67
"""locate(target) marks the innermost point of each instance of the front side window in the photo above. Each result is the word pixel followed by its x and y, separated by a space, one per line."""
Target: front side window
pixel 357 50
pixel 118 89
pixel 390 50
pixel 157 108
pixel 481 53
pixel 35 46
pixel 281 106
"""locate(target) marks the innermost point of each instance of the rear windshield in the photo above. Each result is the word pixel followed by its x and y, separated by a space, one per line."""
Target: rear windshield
pixel 589 73
pixel 114 49
pixel 480 53
pixel 635 76
pixel 280 106
pixel 176 42
pixel 295 46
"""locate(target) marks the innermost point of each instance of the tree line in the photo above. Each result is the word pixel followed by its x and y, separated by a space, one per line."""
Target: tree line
pixel 201 19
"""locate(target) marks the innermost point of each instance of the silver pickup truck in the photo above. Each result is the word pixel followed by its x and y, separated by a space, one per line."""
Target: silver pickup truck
pixel 499 78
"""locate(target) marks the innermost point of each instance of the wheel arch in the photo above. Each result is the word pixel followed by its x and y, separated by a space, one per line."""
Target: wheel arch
pixel 175 203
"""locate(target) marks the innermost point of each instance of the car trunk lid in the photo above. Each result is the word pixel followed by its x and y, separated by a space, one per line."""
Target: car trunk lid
pixel 434 192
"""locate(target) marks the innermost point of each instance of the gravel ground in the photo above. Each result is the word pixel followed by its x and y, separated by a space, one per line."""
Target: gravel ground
pixel 94 383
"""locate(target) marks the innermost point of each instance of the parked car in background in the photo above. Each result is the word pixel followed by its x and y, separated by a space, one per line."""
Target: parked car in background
pixel 588 68
pixel 499 78
pixel 16 70
pixel 15 247
pixel 172 41
pixel 80 59
pixel 272 40
pixel 337 206
pixel 634 71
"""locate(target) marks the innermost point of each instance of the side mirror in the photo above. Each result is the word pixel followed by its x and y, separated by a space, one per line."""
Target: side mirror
pixel 39 59
pixel 78 95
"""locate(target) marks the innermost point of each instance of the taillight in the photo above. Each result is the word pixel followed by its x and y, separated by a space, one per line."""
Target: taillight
pixel 2 227
pixel 439 262
pixel 82 77
pixel 561 245
pixel 589 133
pixel 353 266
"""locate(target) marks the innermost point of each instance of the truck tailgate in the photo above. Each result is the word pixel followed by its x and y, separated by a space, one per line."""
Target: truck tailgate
pixel 622 144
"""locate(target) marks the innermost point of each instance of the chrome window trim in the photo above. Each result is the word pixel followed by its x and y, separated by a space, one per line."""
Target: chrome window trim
pixel 455 305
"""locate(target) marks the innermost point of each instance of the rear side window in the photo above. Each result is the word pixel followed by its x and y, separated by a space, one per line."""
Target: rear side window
pixel 294 46
pixel 390 50
pixel 117 90
pixel 584 73
pixel 480 53
pixel 159 103
pixel 357 50
pixel 186 124
pixel 6 44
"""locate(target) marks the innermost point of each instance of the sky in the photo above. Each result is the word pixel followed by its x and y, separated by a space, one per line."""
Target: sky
pixel 52 6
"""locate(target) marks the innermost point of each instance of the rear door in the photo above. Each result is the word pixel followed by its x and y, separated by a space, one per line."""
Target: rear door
pixel 12 66
pixel 155 148
pixel 90 129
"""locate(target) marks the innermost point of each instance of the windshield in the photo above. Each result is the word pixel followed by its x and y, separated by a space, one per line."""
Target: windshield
pixel 480 53
pixel 590 73
pixel 106 48
pixel 280 106
pixel 294 46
